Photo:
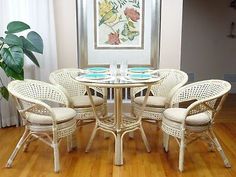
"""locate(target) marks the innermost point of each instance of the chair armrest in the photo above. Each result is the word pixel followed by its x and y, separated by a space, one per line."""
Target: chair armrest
pixel 70 104
pixel 34 106
pixel 49 92
pixel 134 91
pixel 182 94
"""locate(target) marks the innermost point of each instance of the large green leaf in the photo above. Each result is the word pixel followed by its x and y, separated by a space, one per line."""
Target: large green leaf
pixel 16 26
pixel 36 40
pixel 2 64
pixel 27 44
pixel 12 39
pixel 4 92
pixel 31 46
pixel 1 39
pixel 10 73
pixel 14 58
pixel 31 57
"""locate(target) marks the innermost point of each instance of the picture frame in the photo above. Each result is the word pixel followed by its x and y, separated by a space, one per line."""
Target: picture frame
pixel 119 24
pixel 91 52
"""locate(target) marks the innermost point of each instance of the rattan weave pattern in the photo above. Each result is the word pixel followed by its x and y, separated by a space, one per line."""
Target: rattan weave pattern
pixel 30 97
pixel 64 80
pixel 207 96
pixel 173 80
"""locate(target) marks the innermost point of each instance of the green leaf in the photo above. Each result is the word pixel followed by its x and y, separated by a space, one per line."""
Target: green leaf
pixel 137 5
pixel 27 44
pixel 31 57
pixel 12 39
pixel 2 39
pixel 2 64
pixel 131 24
pixel 16 26
pixel 10 73
pixel 13 74
pixel 36 40
pixel 14 58
pixel 33 42
pixel 126 30
pixel 124 40
pixel 132 34
pixel 4 92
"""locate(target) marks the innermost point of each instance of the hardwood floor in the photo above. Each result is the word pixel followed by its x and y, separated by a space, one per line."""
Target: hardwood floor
pixel 38 161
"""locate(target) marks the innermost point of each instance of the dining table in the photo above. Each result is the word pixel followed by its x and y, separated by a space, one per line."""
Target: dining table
pixel 118 123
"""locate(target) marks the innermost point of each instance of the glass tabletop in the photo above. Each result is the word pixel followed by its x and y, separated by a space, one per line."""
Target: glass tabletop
pixel 108 80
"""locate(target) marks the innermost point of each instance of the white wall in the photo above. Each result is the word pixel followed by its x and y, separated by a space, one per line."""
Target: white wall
pixel 171 27
pixel 65 21
pixel 206 50
pixel 171 31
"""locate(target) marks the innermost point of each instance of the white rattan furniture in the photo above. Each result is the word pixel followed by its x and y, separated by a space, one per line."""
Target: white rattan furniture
pixel 118 123
pixel 160 94
pixel 46 123
pixel 195 121
pixel 76 93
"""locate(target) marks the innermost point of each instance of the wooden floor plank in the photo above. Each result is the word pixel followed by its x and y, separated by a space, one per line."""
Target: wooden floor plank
pixel 38 161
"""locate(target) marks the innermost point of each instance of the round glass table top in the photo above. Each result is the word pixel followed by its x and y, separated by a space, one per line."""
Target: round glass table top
pixel 108 79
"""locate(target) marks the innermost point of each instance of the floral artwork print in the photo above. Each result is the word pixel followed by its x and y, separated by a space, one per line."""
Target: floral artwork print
pixel 119 23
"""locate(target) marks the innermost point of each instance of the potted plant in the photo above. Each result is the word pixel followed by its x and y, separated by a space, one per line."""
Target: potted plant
pixel 13 49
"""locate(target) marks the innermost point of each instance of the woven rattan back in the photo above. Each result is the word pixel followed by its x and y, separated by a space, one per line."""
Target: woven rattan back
pixel 173 79
pixel 31 95
pixel 37 90
pixel 208 95
pixel 64 78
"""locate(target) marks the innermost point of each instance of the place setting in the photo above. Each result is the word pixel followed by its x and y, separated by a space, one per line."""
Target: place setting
pixel 141 74
pixel 95 74
pixel 118 75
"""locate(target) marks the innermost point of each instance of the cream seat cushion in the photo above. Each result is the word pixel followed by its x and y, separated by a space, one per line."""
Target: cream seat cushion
pixel 153 101
pixel 83 101
pixel 178 115
pixel 61 114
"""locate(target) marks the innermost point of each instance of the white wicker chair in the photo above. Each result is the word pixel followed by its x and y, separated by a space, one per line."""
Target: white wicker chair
pixel 63 79
pixel 41 121
pixel 161 94
pixel 195 121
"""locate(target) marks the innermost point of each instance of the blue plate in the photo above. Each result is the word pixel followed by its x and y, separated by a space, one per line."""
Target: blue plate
pixel 98 69
pixel 140 76
pixel 95 76
pixel 139 69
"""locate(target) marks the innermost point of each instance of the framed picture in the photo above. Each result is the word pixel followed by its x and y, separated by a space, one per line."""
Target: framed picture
pixel 115 30
pixel 118 24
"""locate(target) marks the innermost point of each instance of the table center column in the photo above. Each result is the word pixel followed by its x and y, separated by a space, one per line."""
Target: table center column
pixel 119 121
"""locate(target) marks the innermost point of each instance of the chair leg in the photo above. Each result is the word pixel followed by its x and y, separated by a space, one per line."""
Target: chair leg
pixel 219 148
pixel 181 152
pixel 56 157
pixel 27 143
pixel 71 142
pixel 105 135
pixel 22 140
pixel 131 135
pixel 118 149
pixel 166 141
pixel 145 139
pixel 91 139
